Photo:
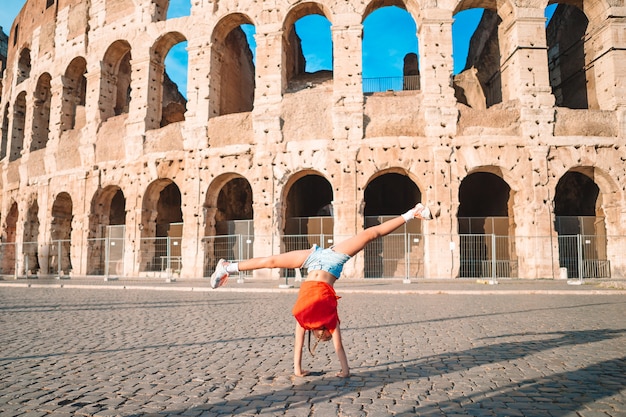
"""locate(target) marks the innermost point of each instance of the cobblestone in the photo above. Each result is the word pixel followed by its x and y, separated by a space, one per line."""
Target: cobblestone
pixel 99 351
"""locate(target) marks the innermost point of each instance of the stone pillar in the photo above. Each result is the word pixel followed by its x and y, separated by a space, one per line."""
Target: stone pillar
pixel 270 83
pixel 609 60
pixel 56 89
pixel 348 210
pixel 347 33
pixel 268 226
pixel 441 243
pixel 197 115
pixel 435 44
pixel 524 69
pixel 142 109
pixel 536 241
pixel 93 117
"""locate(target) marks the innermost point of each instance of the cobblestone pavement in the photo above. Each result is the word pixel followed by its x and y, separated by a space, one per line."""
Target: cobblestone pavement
pixel 141 352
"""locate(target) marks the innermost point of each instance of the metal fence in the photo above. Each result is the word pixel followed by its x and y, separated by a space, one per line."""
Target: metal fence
pixel 161 254
pixel 398 255
pixel 380 84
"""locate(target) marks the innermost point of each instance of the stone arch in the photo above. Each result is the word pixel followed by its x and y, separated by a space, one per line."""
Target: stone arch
pixel 486 225
pixel 229 226
pixel 580 225
pixel 387 194
pixel 165 103
pixel 41 113
pixel 115 83
pixel 19 123
pixel 399 53
pixel 74 94
pixel 107 220
pixel 570 53
pixel 294 63
pixel 61 234
pixel 479 84
pixel 232 76
pixel 23 65
pixel 7 256
pixel 228 199
pixel 307 216
pixel 30 247
pixel 161 224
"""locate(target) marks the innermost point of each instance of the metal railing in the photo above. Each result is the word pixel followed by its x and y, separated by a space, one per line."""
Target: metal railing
pixel 380 84
pixel 398 255
pixel 160 254
pixel 232 247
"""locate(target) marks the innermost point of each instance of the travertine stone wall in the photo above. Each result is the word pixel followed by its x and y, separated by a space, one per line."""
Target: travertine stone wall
pixel 116 124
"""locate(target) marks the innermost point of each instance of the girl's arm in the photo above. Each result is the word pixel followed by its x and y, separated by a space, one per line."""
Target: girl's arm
pixel 297 351
pixel 341 354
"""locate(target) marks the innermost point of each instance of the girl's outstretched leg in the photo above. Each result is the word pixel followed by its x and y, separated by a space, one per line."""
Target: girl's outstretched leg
pixel 355 244
pixel 291 260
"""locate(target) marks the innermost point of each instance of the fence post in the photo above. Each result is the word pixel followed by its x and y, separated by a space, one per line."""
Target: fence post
pixel 494 275
pixel 106 257
pixel 240 256
pixel 407 258
pixel 15 261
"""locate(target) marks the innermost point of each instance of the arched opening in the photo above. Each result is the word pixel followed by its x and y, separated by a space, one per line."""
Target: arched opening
pixel 7 255
pixel 107 220
pixel 476 50
pixel 308 214
pixel 74 95
pixel 23 66
pixel 19 123
pixel 390 49
pixel 115 84
pixel 166 102
pixel 580 226
pixel 486 227
pixel 60 235
pixel 232 77
pixel 229 226
pixel 41 113
pixel 398 254
pixel 30 247
pixel 307 46
pixel 5 132
pixel 571 76
pixel 161 227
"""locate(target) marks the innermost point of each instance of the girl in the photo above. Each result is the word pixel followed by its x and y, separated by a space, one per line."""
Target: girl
pixel 316 307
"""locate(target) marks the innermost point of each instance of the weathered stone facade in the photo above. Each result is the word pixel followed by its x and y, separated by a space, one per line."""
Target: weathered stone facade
pixel 94 135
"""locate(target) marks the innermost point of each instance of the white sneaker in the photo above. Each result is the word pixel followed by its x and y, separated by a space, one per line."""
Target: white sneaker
pixel 423 212
pixel 220 276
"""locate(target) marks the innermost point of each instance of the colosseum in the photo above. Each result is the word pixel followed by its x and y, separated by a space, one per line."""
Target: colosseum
pixel 109 171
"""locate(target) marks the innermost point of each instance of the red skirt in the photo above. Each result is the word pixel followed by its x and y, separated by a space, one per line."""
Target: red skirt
pixel 316 306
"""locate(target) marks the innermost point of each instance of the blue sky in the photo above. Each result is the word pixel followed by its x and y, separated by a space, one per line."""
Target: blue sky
pixel 389 34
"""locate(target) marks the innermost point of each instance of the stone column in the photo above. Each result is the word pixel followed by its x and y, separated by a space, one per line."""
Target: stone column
pixel 435 44
pixel 347 33
pixel 197 115
pixel 270 83
pixel 536 241
pixel 441 242
pixel 268 226
pixel 142 115
pixel 56 89
pixel 609 61
pixel 524 69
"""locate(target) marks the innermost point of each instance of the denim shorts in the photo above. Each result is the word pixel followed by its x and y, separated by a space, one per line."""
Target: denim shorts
pixel 326 260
